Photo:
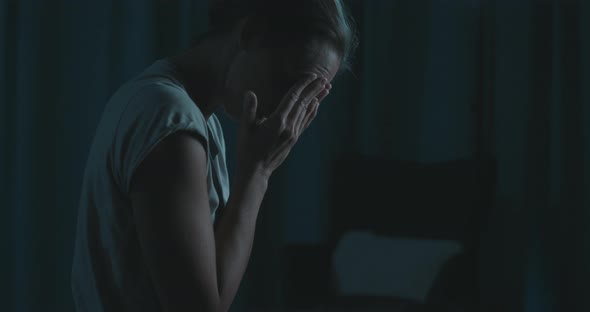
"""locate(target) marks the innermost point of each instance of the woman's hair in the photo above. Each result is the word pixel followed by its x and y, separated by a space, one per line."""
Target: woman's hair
pixel 288 22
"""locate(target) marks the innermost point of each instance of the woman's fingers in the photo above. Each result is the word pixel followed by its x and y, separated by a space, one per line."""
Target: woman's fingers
pixel 298 111
pixel 324 93
pixel 311 92
pixel 298 108
pixel 310 115
pixel 312 109
pixel 301 119
pixel 292 96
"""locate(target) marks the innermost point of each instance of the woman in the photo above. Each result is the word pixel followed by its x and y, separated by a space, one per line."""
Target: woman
pixel 148 238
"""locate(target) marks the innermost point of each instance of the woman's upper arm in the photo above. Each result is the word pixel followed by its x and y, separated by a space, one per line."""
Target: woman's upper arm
pixel 171 211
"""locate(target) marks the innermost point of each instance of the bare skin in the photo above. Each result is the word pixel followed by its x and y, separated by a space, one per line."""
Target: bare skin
pixel 275 97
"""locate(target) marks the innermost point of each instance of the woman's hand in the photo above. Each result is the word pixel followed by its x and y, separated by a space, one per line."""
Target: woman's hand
pixel 265 143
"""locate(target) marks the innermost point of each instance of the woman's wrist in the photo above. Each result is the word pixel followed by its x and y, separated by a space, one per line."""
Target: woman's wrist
pixel 257 175
pixel 248 190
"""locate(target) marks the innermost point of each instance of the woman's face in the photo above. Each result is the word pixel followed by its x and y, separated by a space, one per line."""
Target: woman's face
pixel 271 72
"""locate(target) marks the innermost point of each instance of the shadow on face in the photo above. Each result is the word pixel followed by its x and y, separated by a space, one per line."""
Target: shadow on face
pixel 271 71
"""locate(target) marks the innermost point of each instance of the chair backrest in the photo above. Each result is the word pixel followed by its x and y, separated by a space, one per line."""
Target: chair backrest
pixel 446 200
pixel 399 199
pixel 436 201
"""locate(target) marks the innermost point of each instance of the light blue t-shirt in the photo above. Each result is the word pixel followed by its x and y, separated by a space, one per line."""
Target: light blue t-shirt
pixel 108 271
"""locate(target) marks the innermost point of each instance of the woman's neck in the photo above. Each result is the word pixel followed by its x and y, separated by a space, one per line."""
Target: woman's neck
pixel 203 69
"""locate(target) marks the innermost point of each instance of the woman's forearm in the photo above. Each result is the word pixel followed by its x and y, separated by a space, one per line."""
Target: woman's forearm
pixel 234 234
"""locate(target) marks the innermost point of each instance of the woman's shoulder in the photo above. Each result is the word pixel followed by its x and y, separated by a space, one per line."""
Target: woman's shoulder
pixel 165 100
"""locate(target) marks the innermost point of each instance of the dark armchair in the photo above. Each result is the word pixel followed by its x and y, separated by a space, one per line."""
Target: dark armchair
pixel 395 199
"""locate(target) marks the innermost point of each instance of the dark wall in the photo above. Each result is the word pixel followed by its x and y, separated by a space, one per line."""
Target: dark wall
pixel 433 81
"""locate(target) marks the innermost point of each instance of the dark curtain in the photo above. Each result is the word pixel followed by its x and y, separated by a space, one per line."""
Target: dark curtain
pixel 433 81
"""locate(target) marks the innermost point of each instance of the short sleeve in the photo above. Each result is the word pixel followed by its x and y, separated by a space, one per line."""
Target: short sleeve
pixel 155 112
pixel 217 131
